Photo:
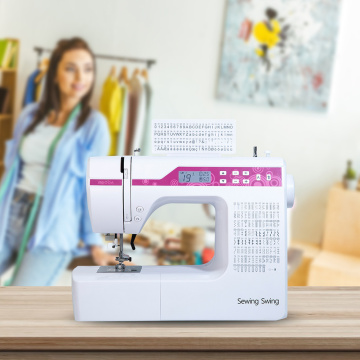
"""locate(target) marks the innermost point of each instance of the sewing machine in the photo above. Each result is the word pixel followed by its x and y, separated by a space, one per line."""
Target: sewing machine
pixel 247 277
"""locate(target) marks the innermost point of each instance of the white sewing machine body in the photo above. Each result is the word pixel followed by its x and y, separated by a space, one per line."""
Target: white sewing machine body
pixel 247 277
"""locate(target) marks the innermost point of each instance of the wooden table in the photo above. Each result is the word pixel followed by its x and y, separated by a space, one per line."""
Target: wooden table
pixel 37 323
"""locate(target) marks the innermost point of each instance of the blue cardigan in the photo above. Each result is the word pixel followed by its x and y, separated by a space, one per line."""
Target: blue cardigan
pixel 64 217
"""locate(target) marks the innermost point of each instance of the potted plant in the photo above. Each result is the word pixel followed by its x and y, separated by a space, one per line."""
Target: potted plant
pixel 350 181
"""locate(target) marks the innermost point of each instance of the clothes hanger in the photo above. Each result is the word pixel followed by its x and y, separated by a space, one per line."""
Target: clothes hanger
pixel 123 76
pixel 145 74
pixel 43 67
pixel 136 72
pixel 112 72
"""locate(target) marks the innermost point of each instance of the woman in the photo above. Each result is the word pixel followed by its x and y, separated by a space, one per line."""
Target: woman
pixel 46 173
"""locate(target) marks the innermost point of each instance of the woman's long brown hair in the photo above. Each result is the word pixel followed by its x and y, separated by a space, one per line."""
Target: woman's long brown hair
pixel 51 94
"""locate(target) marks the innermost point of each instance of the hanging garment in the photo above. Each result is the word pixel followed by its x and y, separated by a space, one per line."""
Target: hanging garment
pixel 111 106
pixel 146 145
pixel 116 126
pixel 30 90
pixel 40 78
pixel 40 89
pixel 122 133
pixel 37 91
pixel 140 117
pixel 134 97
pixel 104 98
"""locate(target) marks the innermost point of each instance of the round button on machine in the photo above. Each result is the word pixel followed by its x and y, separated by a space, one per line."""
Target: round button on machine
pixel 137 218
pixel 139 209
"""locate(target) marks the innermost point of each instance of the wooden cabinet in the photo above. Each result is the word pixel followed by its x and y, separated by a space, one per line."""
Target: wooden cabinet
pixel 338 263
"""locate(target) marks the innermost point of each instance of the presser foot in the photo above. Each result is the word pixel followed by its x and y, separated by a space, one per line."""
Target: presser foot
pixel 120 267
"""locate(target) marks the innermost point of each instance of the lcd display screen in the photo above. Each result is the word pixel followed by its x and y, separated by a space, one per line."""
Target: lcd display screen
pixel 194 176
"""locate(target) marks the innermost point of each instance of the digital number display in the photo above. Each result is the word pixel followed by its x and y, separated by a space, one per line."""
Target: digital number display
pixel 194 176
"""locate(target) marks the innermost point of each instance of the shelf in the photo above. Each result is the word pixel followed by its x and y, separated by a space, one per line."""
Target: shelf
pixel 8 76
pixel 8 70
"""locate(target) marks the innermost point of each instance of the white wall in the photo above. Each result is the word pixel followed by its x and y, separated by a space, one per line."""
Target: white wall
pixel 185 36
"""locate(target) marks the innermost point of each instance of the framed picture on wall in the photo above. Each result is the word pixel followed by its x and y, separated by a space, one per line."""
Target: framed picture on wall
pixel 279 53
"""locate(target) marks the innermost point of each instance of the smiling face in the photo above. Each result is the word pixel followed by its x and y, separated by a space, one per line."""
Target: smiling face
pixel 75 73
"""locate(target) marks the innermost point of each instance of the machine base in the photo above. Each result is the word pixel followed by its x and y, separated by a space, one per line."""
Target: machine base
pixel 176 293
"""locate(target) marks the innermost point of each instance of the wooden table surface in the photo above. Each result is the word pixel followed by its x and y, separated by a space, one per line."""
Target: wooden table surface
pixel 320 321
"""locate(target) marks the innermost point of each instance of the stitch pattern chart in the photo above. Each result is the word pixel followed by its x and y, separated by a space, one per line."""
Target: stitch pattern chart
pixel 194 136
pixel 256 236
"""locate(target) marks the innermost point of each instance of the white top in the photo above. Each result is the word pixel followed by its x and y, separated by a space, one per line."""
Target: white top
pixel 33 153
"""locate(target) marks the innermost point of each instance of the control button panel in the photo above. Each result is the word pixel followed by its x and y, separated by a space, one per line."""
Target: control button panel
pixel 213 176
pixel 247 176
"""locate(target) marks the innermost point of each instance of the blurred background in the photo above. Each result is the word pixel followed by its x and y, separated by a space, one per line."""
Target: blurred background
pixel 212 60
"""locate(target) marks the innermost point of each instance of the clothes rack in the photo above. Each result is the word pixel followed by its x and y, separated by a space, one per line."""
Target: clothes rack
pixel 148 62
